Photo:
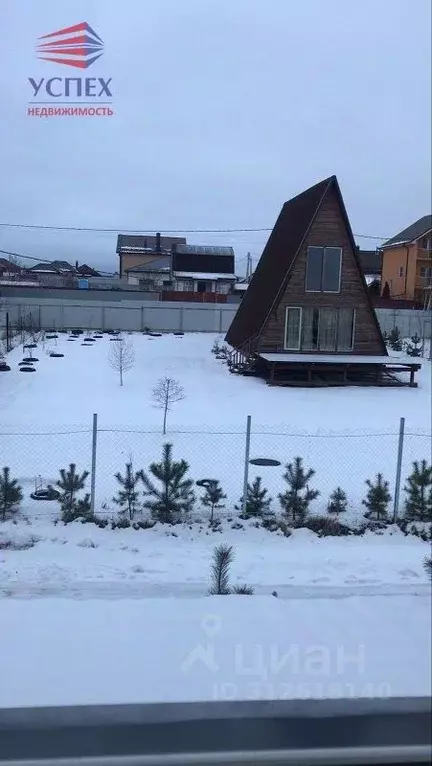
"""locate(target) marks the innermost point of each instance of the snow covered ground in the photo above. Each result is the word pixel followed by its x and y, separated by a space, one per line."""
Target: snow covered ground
pixel 83 561
pixel 101 615
pixel 57 652
pixel 346 435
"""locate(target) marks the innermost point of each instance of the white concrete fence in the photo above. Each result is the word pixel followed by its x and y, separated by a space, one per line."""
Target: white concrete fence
pixel 117 314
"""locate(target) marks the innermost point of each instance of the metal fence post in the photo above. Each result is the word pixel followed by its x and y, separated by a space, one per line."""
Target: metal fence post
pixel 93 465
pixel 8 347
pixel 246 463
pixel 398 468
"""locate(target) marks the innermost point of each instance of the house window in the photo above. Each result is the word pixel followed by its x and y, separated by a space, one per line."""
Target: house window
pixel 345 331
pixel 422 272
pixel 401 271
pixel 323 269
pixel 326 329
pixel 426 243
pixel 292 328
pixel 310 329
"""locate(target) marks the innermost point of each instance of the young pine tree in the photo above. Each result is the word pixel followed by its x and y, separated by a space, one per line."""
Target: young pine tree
pixel 257 502
pixel 377 498
pixel 337 502
pixel 395 340
pixel 174 496
pixel 295 501
pixel 427 564
pixel 127 497
pixel 10 494
pixel 212 498
pixel 418 503
pixel 414 346
pixel 223 556
pixel 69 484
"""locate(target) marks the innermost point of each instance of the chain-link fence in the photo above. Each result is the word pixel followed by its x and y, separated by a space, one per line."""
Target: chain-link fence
pixel 343 458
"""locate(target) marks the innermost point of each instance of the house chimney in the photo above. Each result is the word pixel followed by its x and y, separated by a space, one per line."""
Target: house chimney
pixel 158 242
pixel 76 265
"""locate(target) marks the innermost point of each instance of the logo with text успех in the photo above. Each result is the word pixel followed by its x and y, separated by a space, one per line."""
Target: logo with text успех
pixel 77 46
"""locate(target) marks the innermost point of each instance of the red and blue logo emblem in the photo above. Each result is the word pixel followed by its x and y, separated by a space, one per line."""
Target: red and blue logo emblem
pixel 78 46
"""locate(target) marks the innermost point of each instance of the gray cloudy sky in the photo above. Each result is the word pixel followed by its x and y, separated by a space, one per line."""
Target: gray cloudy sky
pixel 223 110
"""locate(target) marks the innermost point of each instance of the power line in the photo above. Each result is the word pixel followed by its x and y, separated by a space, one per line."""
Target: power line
pixel 119 230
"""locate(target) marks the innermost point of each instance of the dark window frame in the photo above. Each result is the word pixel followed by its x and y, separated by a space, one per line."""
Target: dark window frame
pixel 323 250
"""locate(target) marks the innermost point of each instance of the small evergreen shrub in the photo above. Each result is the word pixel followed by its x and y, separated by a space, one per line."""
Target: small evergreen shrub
pixel 11 495
pixel 377 498
pixel 414 346
pixel 223 556
pixel 257 502
pixel 212 498
pixel 395 339
pixel 418 503
pixel 69 484
pixel 173 497
pixel 127 497
pixel 243 590
pixel 121 524
pixel 325 526
pixel 338 501
pixel 296 500
pixel 145 524
pixel 427 564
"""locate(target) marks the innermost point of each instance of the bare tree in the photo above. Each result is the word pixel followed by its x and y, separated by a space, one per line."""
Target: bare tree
pixel 121 357
pixel 165 394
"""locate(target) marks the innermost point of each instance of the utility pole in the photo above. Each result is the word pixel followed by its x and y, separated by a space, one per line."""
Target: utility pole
pixel 248 267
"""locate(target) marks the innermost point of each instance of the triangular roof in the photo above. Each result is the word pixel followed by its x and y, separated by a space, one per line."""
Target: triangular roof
pixel 272 272
pixel 414 231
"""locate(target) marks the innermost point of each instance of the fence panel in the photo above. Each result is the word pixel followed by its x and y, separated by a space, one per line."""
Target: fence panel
pixel 346 459
pixel 35 455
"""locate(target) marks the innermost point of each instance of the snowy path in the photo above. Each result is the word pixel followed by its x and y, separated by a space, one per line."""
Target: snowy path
pixel 129 590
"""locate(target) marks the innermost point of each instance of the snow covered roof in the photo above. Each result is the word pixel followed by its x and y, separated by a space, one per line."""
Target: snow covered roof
pixel 242 286
pixel 203 275
pixel 204 250
pixel 416 230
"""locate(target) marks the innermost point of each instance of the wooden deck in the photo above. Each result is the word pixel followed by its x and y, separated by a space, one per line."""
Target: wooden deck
pixel 309 370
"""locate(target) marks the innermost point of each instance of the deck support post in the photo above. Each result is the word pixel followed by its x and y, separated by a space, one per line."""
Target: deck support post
pixel 412 373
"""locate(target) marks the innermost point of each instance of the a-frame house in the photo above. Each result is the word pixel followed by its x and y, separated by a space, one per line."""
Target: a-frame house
pixel 307 315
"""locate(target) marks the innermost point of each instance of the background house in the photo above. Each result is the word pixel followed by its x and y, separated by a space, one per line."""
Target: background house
pixel 153 276
pixel 53 274
pixel 203 269
pixel 407 262
pixel 370 263
pixel 138 249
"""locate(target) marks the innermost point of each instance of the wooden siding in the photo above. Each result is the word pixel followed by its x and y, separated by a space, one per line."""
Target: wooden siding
pixel 328 229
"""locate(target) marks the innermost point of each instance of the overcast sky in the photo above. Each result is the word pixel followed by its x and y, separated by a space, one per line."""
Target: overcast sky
pixel 224 109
